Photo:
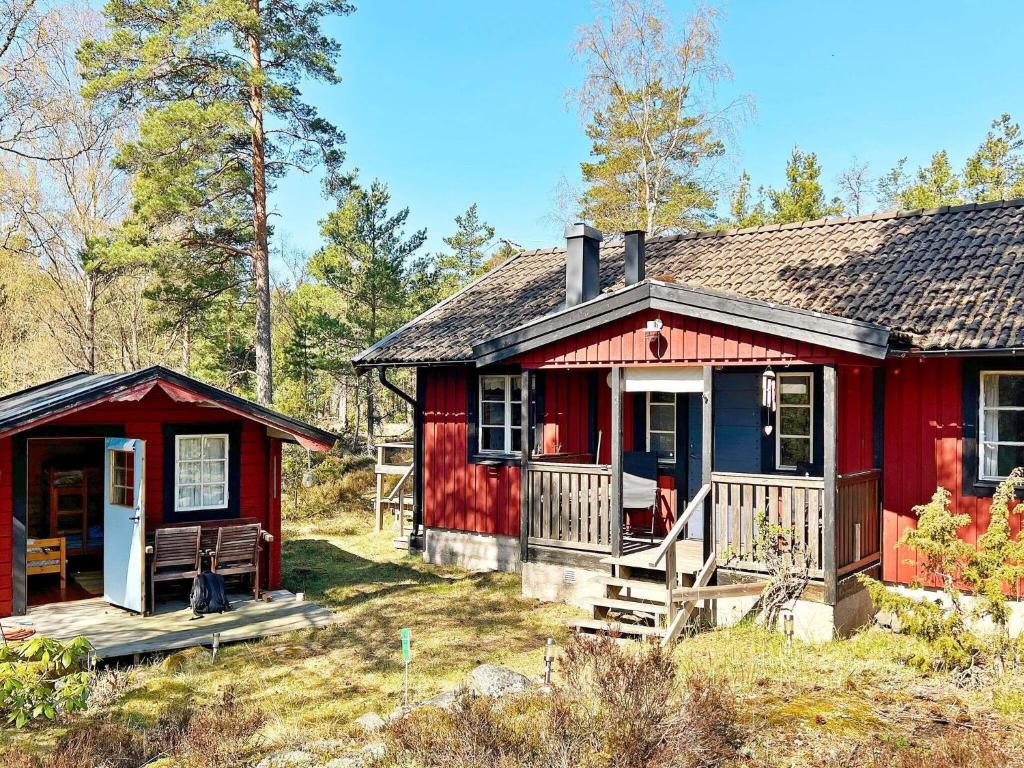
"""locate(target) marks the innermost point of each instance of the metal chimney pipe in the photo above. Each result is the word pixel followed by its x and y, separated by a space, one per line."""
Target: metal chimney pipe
pixel 582 264
pixel 636 257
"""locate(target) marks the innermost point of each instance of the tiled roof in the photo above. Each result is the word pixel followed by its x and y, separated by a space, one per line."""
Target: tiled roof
pixel 949 278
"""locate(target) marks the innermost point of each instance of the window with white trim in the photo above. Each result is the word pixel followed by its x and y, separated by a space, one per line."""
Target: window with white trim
pixel 501 414
pixel 1001 439
pixel 661 425
pixel 200 472
pixel 795 429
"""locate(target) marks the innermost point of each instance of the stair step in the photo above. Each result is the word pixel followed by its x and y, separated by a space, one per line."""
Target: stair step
pixel 618 581
pixel 635 606
pixel 614 627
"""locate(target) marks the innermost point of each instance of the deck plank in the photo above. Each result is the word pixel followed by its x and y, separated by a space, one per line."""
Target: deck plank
pixel 115 632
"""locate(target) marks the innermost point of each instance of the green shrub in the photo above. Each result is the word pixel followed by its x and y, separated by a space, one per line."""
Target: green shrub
pixel 42 677
pixel 987 571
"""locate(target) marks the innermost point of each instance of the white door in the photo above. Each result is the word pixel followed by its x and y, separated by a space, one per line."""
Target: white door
pixel 124 523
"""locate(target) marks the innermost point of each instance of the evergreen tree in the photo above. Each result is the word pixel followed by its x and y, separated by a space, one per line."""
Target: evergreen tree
pixel 803 197
pixel 218 83
pixel 933 185
pixel 468 252
pixel 996 170
pixel 369 260
pixel 743 212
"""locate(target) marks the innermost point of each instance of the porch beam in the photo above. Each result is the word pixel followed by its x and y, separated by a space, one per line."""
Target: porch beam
pixel 525 448
pixel 830 424
pixel 707 442
pixel 616 450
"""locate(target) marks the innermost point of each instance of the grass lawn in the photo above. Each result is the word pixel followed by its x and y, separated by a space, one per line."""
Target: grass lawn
pixel 800 705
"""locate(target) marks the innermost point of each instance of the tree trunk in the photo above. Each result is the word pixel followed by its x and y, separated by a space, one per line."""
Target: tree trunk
pixel 186 346
pixel 261 249
pixel 90 323
pixel 370 405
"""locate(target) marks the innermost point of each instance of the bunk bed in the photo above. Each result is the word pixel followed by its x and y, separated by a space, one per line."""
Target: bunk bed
pixel 69 511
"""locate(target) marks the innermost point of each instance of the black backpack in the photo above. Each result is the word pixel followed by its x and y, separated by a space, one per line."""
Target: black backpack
pixel 208 594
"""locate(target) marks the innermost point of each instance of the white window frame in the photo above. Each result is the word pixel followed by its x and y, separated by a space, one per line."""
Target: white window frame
pixel 674 404
pixel 177 464
pixel 508 427
pixel 982 442
pixel 809 437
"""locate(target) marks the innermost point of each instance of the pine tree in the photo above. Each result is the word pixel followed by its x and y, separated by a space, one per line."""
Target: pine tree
pixel 468 252
pixel 218 83
pixel 369 260
pixel 803 197
pixel 996 170
pixel 934 185
pixel 743 212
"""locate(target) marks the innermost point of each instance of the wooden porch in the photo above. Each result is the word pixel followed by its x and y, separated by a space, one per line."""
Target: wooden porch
pixel 116 633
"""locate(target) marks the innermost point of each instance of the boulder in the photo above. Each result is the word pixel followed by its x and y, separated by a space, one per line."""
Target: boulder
pixel 358 757
pixel 292 758
pixel 370 722
pixel 495 681
pixel 444 700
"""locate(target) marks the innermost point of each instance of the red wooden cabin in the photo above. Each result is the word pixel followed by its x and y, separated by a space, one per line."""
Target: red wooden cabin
pixel 100 460
pixel 891 343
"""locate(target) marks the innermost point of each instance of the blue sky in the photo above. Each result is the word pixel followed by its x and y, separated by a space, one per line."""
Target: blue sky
pixel 464 101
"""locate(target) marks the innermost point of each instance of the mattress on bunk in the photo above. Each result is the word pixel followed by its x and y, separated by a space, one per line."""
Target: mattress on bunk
pixel 68 477
pixel 94 538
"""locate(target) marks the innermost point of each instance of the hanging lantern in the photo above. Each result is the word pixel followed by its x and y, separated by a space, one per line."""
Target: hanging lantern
pixel 769 399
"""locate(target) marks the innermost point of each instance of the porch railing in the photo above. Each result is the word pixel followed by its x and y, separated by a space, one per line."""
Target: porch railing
pixel 858 520
pixel 739 499
pixel 570 505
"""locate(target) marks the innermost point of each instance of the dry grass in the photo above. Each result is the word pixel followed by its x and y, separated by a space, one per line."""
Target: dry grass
pixel 852 703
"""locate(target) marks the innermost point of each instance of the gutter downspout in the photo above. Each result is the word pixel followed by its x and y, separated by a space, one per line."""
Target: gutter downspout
pixel 417 449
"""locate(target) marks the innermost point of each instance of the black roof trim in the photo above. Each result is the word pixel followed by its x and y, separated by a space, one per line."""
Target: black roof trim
pixel 837 333
pixel 54 398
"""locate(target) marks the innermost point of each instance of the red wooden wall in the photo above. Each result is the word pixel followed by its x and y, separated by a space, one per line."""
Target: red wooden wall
pixel 457 494
pixel 260 466
pixel 6 527
pixel 924 449
pixel 567 412
pixel 683 340
pixel 855 441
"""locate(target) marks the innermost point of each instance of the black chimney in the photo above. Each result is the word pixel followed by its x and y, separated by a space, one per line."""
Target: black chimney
pixel 636 259
pixel 582 263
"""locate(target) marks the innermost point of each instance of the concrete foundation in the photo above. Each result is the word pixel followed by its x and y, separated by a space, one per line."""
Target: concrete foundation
pixel 1015 624
pixel 562 583
pixel 813 621
pixel 472 551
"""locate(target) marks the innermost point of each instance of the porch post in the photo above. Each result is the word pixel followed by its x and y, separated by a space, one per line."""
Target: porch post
pixel 616 448
pixel 707 441
pixel 830 423
pixel 525 448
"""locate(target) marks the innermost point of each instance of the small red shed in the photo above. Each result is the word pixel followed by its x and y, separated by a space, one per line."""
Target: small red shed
pixel 97 460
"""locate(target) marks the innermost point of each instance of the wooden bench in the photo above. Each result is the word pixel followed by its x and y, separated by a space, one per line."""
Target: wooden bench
pixel 175 557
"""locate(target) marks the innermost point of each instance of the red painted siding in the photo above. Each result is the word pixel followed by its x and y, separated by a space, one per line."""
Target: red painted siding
pixel 566 412
pixel 6 527
pixel 924 449
pixel 458 494
pixel 144 419
pixel 683 340
pixel 855 385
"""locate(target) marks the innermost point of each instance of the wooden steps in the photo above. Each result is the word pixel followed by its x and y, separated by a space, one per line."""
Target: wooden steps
pixel 595 626
pixel 630 606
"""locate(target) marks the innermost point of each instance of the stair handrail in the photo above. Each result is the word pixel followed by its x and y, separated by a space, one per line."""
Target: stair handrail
pixel 399 484
pixel 676 531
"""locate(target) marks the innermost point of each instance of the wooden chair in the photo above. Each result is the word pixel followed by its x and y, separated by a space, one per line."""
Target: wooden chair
pixel 175 557
pixel 238 552
pixel 640 489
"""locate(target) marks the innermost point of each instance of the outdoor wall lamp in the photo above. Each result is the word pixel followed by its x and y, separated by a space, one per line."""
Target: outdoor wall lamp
pixel 652 334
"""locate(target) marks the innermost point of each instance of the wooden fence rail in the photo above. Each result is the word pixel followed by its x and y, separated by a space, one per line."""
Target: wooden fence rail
pixel 570 505
pixel 858 520
pixel 739 499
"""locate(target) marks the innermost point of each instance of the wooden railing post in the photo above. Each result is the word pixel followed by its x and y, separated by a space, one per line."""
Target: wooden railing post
pixel 830 424
pixel 525 447
pixel 616 449
pixel 671 582
pixel 707 443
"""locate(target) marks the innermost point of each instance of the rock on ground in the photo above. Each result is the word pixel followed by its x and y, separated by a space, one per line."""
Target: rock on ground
pixel 289 759
pixel 494 681
pixel 371 721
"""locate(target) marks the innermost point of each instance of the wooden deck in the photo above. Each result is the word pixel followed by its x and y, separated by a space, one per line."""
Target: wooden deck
pixel 689 557
pixel 116 633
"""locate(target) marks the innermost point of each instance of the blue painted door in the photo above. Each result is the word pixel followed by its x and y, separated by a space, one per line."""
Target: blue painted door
pixel 124 523
pixel 694 450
